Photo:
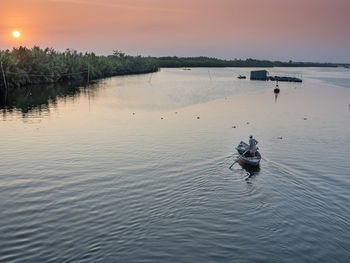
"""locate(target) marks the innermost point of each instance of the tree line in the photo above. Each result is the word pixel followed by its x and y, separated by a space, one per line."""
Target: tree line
pixel 23 66
pixel 173 62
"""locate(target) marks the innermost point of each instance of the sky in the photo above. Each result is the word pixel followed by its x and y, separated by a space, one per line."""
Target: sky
pixel 298 30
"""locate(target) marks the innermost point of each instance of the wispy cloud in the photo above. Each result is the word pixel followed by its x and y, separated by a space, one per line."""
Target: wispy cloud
pixel 110 4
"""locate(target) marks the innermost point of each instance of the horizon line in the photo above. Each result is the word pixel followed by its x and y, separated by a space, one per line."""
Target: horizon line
pixel 206 56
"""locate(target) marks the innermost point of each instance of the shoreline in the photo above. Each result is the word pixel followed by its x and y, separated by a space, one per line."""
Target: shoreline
pixel 24 67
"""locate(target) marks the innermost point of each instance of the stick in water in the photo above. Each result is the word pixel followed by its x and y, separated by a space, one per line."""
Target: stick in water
pixel 238 158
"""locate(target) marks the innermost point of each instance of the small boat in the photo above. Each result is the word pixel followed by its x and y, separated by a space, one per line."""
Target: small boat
pixel 247 159
pixel 241 77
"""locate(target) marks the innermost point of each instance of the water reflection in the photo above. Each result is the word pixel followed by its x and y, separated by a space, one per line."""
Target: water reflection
pixel 252 171
pixel 168 89
pixel 276 96
pixel 41 98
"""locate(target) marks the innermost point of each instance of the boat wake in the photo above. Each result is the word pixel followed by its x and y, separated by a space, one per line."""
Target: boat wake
pixel 284 168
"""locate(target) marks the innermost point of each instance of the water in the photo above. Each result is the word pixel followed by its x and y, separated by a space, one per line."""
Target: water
pixel 125 171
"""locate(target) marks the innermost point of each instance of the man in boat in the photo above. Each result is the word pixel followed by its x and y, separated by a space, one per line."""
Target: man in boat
pixel 252 145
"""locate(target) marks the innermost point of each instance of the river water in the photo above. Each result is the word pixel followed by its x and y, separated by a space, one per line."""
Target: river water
pixel 135 169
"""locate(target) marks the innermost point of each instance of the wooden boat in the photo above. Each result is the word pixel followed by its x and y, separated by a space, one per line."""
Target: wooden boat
pixel 247 159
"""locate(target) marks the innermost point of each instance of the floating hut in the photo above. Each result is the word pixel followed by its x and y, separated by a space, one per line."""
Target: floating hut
pixel 263 75
pixel 258 75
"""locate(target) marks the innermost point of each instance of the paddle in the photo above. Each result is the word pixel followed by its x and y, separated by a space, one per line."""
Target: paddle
pixel 238 158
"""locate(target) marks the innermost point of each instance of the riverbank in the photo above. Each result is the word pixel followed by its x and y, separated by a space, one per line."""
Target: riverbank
pixel 23 66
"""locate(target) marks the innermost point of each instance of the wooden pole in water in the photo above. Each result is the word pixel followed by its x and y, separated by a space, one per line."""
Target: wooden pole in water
pixel 88 76
pixel 209 74
pixel 3 75
pixel 151 75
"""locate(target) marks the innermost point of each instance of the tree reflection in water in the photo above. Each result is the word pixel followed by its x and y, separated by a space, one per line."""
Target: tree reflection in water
pixel 41 98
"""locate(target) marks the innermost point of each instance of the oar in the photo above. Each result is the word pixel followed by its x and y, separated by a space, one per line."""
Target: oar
pixel 238 158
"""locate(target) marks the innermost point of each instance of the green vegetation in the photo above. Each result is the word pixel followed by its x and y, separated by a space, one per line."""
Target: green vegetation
pixel 174 62
pixel 23 66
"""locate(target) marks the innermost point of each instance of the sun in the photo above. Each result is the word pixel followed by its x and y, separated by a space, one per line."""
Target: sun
pixel 16 33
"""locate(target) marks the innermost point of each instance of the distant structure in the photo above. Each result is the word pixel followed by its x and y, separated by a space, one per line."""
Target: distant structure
pixel 258 75
pixel 289 79
pixel 263 75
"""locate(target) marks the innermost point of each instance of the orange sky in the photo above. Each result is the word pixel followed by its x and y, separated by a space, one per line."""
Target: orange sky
pixel 306 30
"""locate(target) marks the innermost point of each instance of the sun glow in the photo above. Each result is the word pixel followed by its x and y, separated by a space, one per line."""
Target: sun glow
pixel 16 33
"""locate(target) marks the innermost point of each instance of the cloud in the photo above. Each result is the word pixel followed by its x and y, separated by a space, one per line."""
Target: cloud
pixel 135 6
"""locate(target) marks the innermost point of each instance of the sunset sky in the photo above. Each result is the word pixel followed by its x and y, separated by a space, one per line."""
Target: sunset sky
pixel 300 30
